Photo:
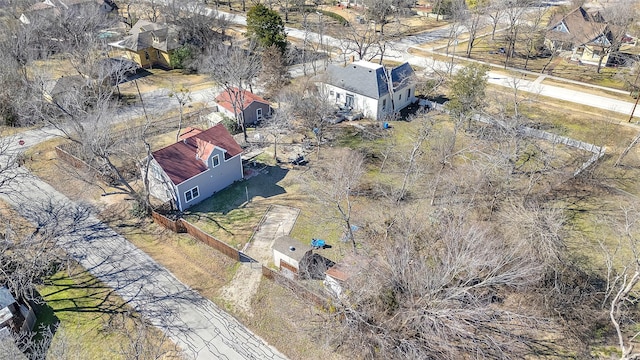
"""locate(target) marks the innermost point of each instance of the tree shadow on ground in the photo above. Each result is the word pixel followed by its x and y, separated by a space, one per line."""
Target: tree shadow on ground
pixel 264 185
pixel 81 292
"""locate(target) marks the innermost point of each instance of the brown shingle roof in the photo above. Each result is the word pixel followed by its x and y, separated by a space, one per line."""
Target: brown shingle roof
pixel 179 160
pixel 582 27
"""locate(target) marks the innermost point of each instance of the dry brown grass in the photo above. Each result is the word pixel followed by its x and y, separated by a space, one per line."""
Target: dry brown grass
pixel 196 264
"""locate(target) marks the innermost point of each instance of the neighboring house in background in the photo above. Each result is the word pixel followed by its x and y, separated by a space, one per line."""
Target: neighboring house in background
pixel 55 8
pixel 370 88
pixel 249 107
pixel 585 33
pixel 199 165
pixel 150 44
pixel 65 88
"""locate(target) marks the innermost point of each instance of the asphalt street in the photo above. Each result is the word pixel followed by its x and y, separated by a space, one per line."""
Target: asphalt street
pixel 399 51
pixel 197 325
pixel 200 327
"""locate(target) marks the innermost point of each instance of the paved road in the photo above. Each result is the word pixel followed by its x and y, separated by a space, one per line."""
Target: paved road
pixel 398 51
pixel 196 324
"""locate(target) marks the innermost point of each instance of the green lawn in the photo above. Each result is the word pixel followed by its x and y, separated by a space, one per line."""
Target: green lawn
pixel 82 307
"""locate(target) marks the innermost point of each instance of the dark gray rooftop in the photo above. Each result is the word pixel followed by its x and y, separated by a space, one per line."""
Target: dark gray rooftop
pixel 6 298
pixel 367 79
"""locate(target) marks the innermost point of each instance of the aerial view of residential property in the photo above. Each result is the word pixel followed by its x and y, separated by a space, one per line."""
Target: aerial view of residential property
pixel 358 179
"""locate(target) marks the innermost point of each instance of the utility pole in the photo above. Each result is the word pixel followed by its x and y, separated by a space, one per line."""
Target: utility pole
pixel 637 93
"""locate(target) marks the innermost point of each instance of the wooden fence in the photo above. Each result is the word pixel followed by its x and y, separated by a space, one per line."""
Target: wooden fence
pixel 65 155
pixel 183 226
pixel 173 225
pixel 296 287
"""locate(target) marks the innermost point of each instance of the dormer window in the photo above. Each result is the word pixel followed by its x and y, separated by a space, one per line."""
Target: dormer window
pixel 215 161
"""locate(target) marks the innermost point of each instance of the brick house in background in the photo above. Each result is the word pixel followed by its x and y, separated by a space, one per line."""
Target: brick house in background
pixel 196 167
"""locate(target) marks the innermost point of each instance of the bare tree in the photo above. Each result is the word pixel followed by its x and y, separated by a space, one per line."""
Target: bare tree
pixel 514 11
pixel 234 70
pixel 621 293
pixel 274 74
pixel 619 17
pixel 533 33
pixel 411 168
pixel 495 13
pixel 314 111
pixel 279 123
pixel 31 252
pixel 362 40
pixel 434 292
pixel 336 188
pixel 183 97
pixel 473 22
pixel 380 11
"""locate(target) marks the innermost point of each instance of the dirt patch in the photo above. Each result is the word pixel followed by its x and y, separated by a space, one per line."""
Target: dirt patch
pixel 278 221
pixel 240 291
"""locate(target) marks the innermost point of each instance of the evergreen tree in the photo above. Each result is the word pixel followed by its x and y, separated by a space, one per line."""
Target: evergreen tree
pixel 266 27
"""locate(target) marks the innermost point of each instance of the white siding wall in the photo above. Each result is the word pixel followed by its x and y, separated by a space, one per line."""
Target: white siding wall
pixel 370 107
pixel 278 256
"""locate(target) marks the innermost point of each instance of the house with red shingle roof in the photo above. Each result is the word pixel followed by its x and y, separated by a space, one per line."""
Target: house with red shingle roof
pixel 243 105
pixel 200 164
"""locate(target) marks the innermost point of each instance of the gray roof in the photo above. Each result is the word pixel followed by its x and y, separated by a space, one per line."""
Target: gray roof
pixel 284 245
pixel 6 298
pixel 400 75
pixel 151 35
pixel 367 79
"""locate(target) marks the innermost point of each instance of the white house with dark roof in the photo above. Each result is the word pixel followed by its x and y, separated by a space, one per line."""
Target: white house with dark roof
pixel 372 89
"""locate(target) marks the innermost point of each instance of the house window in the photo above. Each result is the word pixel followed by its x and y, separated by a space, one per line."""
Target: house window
pixel 384 104
pixel 146 54
pixel 349 102
pixel 400 97
pixel 331 92
pixel 337 96
pixel 259 114
pixel 215 160
pixel 408 94
pixel 191 194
